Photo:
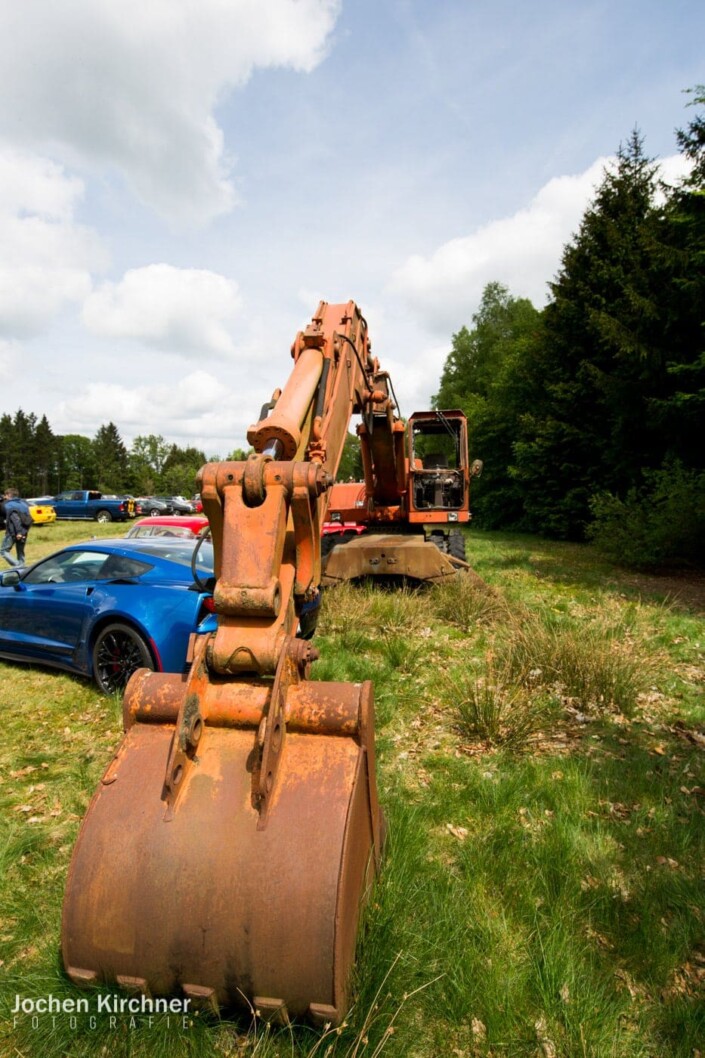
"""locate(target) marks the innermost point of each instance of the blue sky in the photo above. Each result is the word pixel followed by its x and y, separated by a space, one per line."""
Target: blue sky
pixel 181 181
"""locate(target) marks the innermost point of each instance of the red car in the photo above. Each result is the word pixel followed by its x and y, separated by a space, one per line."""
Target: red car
pixel 186 525
pixel 336 528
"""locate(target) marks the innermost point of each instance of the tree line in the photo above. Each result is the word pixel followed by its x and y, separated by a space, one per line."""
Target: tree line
pixel 590 414
pixel 39 462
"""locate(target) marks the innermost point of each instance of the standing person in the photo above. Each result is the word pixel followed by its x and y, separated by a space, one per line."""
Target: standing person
pixel 17 524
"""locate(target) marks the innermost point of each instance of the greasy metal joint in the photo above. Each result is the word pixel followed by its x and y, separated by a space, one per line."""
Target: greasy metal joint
pixel 303 654
pixel 254 602
pixel 253 490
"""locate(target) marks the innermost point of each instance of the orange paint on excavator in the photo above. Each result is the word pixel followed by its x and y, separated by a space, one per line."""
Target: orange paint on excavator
pixel 236 833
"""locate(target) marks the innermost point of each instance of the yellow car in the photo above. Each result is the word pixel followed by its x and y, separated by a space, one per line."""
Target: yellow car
pixel 42 513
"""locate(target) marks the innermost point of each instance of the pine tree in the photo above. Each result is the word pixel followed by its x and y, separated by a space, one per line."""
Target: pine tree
pixel 679 408
pixel 601 358
pixel 44 476
pixel 22 451
pixel 7 452
pixel 110 459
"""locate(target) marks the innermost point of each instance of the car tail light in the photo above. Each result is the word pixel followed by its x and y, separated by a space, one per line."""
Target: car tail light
pixel 207 607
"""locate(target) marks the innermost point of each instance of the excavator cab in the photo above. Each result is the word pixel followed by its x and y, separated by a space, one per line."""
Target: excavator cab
pixel 438 467
pixel 416 487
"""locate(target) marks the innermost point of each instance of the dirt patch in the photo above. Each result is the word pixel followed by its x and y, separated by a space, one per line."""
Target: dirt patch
pixel 685 590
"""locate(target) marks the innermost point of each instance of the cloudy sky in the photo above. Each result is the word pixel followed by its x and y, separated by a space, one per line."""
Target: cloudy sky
pixel 181 181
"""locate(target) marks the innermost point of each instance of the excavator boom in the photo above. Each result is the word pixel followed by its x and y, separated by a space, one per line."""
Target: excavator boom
pixel 236 832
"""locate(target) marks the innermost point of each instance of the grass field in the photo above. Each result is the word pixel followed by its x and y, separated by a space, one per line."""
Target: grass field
pixel 541 744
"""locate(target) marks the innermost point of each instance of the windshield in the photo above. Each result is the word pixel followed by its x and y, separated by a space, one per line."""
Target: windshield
pixel 180 551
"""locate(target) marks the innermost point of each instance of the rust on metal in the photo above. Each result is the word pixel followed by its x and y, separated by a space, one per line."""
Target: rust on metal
pixel 391 554
pixel 209 899
pixel 236 832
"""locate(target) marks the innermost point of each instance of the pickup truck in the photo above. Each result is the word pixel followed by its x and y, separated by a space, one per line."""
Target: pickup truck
pixel 93 506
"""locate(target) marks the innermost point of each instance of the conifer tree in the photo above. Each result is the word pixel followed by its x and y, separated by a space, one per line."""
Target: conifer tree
pixel 601 357
pixel 111 459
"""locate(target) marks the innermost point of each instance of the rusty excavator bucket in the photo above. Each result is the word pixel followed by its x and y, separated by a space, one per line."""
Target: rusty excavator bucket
pixel 225 862
pixel 233 838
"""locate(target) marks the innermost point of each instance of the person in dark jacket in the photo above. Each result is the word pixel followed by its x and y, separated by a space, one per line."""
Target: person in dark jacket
pixel 17 522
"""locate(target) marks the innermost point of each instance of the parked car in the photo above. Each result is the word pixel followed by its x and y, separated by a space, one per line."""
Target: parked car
pixel 336 528
pixel 90 504
pixel 197 503
pixel 151 506
pixel 178 504
pixel 42 513
pixel 184 526
pixel 107 607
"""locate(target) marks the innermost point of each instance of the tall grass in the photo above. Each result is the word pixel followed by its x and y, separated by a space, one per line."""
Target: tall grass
pixel 465 601
pixel 596 664
pixel 489 705
pixel 531 903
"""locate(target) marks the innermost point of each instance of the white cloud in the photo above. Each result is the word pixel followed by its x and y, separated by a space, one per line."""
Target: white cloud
pixel 139 406
pixel 195 409
pixel 9 353
pixel 133 85
pixel 178 310
pixel 46 258
pixel 522 251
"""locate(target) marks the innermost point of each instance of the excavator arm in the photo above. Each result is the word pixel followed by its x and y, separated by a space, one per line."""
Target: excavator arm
pixel 266 513
pixel 229 846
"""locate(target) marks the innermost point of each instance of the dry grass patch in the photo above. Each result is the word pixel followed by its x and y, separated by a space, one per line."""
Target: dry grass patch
pixel 466 600
pixel 374 609
pixel 489 705
pixel 597 665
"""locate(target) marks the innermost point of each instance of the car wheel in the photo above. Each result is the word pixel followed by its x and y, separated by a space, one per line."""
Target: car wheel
pixel 153 512
pixel 117 653
pixel 104 516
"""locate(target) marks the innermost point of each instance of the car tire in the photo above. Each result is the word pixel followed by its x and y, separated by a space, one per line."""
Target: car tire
pixel 118 651
pixel 153 512
pixel 104 517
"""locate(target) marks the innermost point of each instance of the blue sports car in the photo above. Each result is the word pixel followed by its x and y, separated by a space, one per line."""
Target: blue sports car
pixel 108 607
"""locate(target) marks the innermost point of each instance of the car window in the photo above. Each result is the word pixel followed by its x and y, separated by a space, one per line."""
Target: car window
pixel 119 567
pixel 68 566
pixel 181 531
pixel 180 551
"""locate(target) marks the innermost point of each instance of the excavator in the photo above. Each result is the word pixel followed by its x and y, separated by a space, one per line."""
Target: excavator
pixel 416 484
pixel 234 837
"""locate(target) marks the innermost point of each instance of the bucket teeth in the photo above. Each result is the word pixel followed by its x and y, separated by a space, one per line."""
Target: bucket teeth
pixel 82 978
pixel 137 985
pixel 321 1014
pixel 202 998
pixel 272 1010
